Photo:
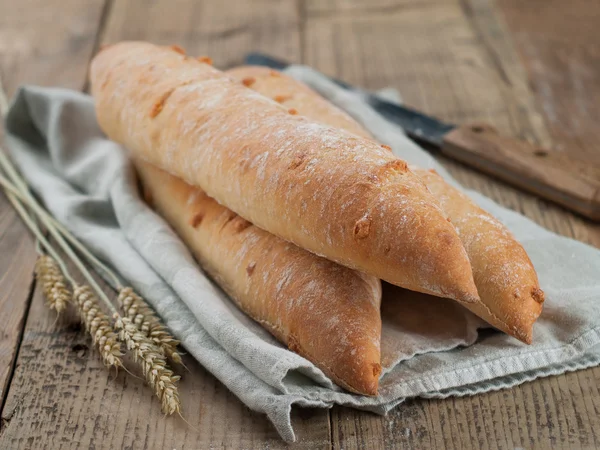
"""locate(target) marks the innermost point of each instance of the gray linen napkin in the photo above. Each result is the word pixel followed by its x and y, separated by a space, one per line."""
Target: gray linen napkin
pixel 430 346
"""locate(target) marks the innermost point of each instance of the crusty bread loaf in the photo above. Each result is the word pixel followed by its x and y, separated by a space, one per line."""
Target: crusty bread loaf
pixel 328 191
pixel 319 309
pixel 511 298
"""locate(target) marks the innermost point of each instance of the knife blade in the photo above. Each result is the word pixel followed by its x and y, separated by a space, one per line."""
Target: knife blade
pixel 552 175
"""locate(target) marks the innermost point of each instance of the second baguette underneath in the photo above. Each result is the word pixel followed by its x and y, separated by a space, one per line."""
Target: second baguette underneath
pixel 511 298
pixel 323 311
pixel 328 191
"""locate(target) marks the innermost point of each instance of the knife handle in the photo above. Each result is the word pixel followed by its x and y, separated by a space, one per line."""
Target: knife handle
pixel 551 175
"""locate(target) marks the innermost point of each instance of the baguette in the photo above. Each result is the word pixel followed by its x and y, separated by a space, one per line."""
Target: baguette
pixel 328 191
pixel 511 298
pixel 323 311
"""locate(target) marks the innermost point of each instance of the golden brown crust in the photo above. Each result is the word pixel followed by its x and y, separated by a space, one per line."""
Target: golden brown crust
pixel 241 149
pixel 321 310
pixel 505 278
pixel 296 95
pixel 511 298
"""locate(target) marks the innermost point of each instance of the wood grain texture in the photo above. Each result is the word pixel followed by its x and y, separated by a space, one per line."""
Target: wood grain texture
pixel 34 48
pixel 224 30
pixel 435 54
pixel 558 43
pixel 352 6
pixel 16 267
pixel 454 59
pixel 47 42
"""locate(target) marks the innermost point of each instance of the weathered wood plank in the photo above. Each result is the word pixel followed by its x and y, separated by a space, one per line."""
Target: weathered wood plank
pixel 47 42
pixel 432 52
pixel 558 43
pixel 37 48
pixel 455 59
pixel 61 395
pixel 557 412
pixel 17 256
pixel 224 30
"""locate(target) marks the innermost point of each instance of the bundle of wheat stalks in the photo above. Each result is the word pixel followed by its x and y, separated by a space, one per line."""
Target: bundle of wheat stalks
pixel 137 325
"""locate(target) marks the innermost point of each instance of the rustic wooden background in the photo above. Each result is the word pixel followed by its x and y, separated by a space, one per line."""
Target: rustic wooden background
pixel 531 68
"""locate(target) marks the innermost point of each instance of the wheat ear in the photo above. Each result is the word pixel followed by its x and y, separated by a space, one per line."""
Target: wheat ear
pixel 146 320
pixel 53 283
pixel 98 324
pixel 154 365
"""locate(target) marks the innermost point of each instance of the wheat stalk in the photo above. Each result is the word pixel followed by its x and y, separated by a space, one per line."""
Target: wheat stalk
pixel 144 318
pixel 53 283
pixel 97 323
pixel 21 186
pixel 48 219
pixel 154 365
pixel 137 309
pixel 49 270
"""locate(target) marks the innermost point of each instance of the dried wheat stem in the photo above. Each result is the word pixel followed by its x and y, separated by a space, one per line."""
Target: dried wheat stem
pixel 20 184
pixel 53 283
pixel 38 234
pixel 98 324
pixel 3 100
pixel 138 311
pixel 51 271
pixel 46 217
pixel 154 366
pixel 142 314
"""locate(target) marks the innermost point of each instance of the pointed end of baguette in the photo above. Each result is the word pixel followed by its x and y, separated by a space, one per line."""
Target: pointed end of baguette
pixel 451 275
pixel 526 338
pixel 513 315
pixel 352 364
pixel 370 383
pixel 365 381
pixel 336 323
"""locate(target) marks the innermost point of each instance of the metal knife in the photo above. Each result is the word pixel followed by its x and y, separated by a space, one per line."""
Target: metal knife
pixel 552 175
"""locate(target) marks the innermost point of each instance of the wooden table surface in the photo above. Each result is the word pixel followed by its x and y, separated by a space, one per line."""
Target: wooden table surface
pixel 531 68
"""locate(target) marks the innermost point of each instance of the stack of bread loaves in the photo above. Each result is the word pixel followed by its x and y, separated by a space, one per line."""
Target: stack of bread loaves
pixel 297 213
